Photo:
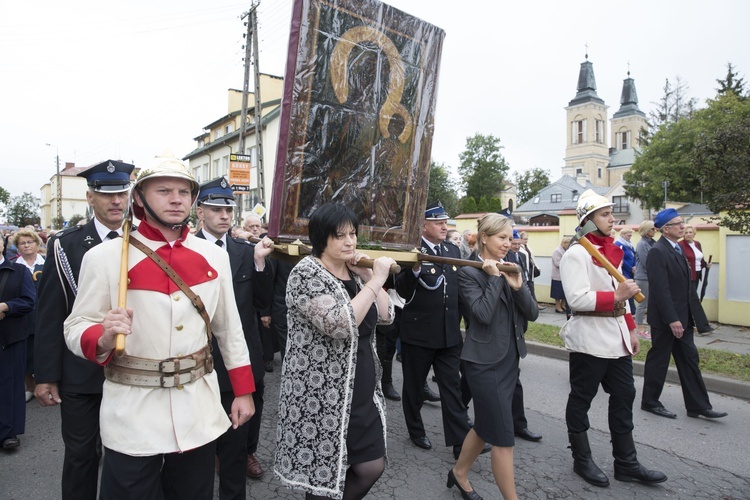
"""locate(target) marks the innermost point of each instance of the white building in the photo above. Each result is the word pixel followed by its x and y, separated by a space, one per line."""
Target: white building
pixel 221 138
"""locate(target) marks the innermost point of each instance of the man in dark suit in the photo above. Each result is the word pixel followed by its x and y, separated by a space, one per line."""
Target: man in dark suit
pixel 253 288
pixel 671 305
pixel 430 334
pixel 61 376
pixel 520 424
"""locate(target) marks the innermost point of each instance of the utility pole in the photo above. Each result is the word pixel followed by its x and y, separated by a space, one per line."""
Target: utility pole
pixel 59 184
pixel 665 184
pixel 251 57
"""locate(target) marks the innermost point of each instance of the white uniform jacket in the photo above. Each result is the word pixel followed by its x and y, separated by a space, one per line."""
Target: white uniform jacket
pixel 589 287
pixel 143 421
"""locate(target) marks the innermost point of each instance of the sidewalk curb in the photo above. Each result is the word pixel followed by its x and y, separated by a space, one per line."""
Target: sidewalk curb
pixel 714 383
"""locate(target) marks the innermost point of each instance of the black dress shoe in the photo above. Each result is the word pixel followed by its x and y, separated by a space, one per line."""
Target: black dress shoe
pixel 11 443
pixel 429 395
pixel 390 392
pixel 467 495
pixel 528 435
pixel 422 442
pixel 457 450
pixel 707 414
pixel 659 410
pixel 269 366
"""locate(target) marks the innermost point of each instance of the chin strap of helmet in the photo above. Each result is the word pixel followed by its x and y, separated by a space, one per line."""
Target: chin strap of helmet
pixel 601 233
pixel 156 217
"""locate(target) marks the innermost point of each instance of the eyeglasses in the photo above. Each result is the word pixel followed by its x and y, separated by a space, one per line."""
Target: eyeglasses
pixel 26 243
pixel 678 223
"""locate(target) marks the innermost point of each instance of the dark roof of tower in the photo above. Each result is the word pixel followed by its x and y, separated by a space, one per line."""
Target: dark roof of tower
pixel 628 100
pixel 586 85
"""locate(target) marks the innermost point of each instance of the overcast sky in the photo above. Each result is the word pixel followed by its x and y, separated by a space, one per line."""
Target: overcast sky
pixel 126 80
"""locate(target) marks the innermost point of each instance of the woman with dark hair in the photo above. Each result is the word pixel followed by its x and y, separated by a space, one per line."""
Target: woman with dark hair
pixel 330 437
pixel 497 305
pixel 693 252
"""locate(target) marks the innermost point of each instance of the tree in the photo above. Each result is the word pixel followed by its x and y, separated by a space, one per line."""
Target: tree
pixel 23 210
pixel 482 205
pixel 469 205
pixel 496 204
pixel 671 156
pixel 673 106
pixel 442 187
pixel 722 160
pixel 483 168
pixel 4 198
pixel 731 83
pixel 75 219
pixel 530 182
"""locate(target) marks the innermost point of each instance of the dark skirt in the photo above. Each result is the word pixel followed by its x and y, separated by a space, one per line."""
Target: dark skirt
pixel 557 292
pixel 492 387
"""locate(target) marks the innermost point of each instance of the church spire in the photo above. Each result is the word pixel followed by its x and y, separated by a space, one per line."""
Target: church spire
pixel 628 99
pixel 586 91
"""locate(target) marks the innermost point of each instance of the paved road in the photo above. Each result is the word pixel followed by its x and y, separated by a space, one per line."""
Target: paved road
pixel 703 459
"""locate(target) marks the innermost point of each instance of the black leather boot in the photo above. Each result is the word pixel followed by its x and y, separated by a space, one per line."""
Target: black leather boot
pixel 583 464
pixel 627 467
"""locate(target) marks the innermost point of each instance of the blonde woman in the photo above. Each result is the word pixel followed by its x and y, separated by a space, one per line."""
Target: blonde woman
pixel 29 243
pixel 497 304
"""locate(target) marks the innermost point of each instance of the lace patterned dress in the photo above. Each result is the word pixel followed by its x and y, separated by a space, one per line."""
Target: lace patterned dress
pixel 318 382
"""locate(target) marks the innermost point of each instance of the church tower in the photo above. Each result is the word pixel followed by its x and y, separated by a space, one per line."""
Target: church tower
pixel 587 153
pixel 626 124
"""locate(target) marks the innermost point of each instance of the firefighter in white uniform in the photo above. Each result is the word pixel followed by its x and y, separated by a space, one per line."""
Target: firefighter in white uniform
pixel 161 411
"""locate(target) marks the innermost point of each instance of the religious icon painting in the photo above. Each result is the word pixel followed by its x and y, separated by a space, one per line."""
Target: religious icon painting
pixel 357 119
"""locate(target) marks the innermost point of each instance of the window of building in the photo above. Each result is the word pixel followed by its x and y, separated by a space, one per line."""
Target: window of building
pixel 536 199
pixel 625 139
pixel 215 172
pixel 229 128
pixel 579 171
pixel 599 171
pixel 556 197
pixel 217 133
pixel 578 132
pixel 600 131
pixel 575 195
pixel 206 172
pixel 224 166
pixel 621 204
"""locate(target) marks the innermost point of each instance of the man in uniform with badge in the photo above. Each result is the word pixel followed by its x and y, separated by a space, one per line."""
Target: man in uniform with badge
pixel 63 378
pixel 253 290
pixel 161 412
pixel 431 335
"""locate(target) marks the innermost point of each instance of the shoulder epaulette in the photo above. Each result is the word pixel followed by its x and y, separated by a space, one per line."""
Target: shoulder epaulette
pixel 67 231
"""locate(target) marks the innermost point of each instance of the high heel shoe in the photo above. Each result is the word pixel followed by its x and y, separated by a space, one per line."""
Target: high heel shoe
pixel 468 495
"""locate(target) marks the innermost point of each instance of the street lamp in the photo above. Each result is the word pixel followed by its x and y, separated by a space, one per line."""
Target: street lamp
pixel 57 180
pixel 665 184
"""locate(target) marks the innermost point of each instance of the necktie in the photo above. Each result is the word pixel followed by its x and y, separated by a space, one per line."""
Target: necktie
pixel 219 243
pixel 112 235
pixel 437 250
pixel 678 249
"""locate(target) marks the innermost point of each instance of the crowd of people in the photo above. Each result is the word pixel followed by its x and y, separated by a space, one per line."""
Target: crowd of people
pixel 202 310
